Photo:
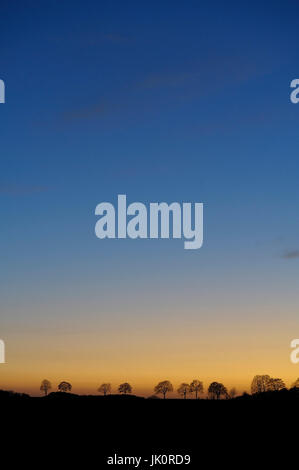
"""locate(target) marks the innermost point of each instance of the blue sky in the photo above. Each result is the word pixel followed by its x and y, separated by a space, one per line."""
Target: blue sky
pixel 169 101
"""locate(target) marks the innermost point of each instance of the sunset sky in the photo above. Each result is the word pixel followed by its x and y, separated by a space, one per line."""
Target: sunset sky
pixel 166 101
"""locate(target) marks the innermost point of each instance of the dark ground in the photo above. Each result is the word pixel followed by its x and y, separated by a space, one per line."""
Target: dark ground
pixel 84 431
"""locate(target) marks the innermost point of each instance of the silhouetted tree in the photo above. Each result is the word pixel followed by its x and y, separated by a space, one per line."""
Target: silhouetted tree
pixel 216 390
pixel 183 390
pixel 45 386
pixel 125 388
pixel 260 383
pixel 64 387
pixel 105 388
pixel 275 385
pixel 296 383
pixel 163 388
pixel 232 392
pixel 197 387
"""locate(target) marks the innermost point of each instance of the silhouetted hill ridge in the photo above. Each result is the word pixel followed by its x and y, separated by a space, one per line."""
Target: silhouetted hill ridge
pixel 281 395
pixel 68 396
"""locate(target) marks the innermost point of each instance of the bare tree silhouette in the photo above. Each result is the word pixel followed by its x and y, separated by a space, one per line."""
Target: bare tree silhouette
pixel 216 390
pixel 125 388
pixel 197 387
pixel 260 383
pixel 64 387
pixel 45 386
pixel 232 392
pixel 275 385
pixel 183 390
pixel 163 387
pixel 105 388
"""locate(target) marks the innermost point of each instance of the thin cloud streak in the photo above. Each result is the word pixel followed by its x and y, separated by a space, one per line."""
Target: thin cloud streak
pixel 200 80
pixel 19 189
pixel 291 254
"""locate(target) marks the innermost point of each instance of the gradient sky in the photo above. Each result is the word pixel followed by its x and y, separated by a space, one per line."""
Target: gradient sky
pixel 167 101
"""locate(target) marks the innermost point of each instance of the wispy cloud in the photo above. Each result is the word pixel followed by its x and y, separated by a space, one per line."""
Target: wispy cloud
pixel 87 112
pixel 165 80
pixel 21 189
pixel 186 83
pixel 292 254
pixel 117 38
pixel 89 39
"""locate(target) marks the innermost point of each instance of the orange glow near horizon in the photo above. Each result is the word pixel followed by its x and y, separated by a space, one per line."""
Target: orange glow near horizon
pixel 146 351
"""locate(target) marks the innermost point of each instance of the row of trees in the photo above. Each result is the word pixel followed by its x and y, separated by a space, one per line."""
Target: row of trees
pixel 46 386
pixel 216 390
pixel 165 386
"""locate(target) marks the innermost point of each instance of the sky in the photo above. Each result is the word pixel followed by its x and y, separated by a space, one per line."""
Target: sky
pixel 161 101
